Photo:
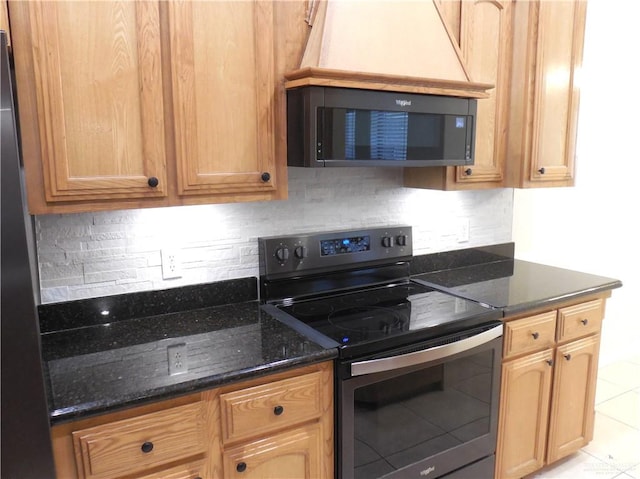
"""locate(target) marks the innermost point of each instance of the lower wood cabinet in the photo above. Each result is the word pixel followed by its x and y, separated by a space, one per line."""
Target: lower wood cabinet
pixel 548 386
pixel 252 420
pixel 524 413
pixel 277 426
pixel 140 443
pixel 572 403
pixel 295 454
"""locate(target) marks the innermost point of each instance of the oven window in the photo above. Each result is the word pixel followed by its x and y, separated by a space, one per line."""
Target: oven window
pixel 403 420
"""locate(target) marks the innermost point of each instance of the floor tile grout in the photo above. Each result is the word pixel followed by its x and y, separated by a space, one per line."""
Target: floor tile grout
pixel 618 420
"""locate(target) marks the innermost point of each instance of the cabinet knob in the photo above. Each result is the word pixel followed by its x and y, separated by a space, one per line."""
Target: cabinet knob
pixel 584 321
pixel 266 176
pixel 241 466
pixel 550 362
pixel 147 447
pixel 535 335
pixel 278 410
pixel 153 182
pixel 468 171
pixel 567 357
pixel 541 171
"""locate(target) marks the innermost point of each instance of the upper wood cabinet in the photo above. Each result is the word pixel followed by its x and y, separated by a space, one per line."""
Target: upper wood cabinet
pixel 98 96
pixel 484 28
pixel 132 104
pixel 547 44
pixel 222 65
pixel 526 131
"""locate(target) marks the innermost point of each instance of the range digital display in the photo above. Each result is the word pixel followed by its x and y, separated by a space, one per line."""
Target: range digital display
pixel 337 246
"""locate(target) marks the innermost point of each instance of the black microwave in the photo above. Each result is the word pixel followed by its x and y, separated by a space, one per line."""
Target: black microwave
pixel 330 126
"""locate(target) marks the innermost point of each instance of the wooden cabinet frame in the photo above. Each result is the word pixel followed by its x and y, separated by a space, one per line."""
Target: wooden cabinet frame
pixel 308 441
pixel 545 94
pixel 484 29
pixel 161 151
pixel 547 404
pixel 537 94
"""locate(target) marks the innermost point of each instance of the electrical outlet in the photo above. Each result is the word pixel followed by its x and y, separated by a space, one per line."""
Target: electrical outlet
pixel 460 305
pixel 171 266
pixel 177 356
pixel 462 235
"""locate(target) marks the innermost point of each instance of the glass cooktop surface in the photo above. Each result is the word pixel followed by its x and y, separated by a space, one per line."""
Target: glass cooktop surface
pixel 387 316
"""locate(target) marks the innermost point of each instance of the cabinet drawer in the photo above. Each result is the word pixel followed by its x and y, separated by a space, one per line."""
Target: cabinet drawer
pixel 580 319
pixel 262 409
pixel 134 445
pixel 191 470
pixel 529 334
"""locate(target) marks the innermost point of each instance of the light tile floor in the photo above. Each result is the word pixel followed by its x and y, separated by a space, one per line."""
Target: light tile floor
pixel 615 449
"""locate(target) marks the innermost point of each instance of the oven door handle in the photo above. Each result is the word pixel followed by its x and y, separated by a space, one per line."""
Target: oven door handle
pixel 372 366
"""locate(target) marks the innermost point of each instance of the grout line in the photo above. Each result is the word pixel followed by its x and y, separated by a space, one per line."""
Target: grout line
pixel 611 464
pixel 618 420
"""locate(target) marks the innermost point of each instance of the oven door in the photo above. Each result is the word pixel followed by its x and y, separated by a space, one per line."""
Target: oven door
pixel 423 411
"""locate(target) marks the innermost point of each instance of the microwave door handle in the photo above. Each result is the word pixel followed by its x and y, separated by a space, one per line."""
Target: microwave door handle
pixel 392 363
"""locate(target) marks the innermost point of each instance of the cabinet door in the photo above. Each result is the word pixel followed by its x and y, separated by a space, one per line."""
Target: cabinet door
pixel 484 29
pixel 223 86
pixel 524 408
pixel 294 454
pixel 140 443
pixel 574 386
pixel 95 69
pixel 485 42
pixel 548 46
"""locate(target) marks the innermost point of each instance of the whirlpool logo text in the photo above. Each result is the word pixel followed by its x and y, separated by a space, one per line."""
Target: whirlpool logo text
pixel 427 471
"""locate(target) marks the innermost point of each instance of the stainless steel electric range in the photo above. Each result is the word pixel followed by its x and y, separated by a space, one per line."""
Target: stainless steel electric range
pixel 418 370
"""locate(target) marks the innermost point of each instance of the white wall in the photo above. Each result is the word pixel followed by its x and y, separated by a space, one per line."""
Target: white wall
pixel 98 254
pixel 593 226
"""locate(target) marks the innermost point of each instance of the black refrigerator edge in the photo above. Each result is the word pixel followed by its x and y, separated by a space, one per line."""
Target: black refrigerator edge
pixel 26 441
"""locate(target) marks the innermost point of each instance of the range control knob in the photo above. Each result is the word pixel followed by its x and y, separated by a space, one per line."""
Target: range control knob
pixel 401 240
pixel 282 254
pixel 301 252
pixel 387 241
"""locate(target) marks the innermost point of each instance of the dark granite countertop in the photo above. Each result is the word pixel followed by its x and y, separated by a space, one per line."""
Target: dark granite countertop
pixel 492 276
pixel 108 353
pixel 94 366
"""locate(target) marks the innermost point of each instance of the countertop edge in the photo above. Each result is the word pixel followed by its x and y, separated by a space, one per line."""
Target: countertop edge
pixel 550 302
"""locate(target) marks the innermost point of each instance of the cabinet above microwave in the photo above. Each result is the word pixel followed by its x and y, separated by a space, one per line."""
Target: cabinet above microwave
pixel 329 126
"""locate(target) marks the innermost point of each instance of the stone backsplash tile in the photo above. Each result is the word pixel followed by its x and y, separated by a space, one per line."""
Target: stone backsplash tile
pixel 105 253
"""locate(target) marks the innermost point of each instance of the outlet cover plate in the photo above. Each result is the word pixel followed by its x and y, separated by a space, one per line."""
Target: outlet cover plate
pixel 171 263
pixel 177 357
